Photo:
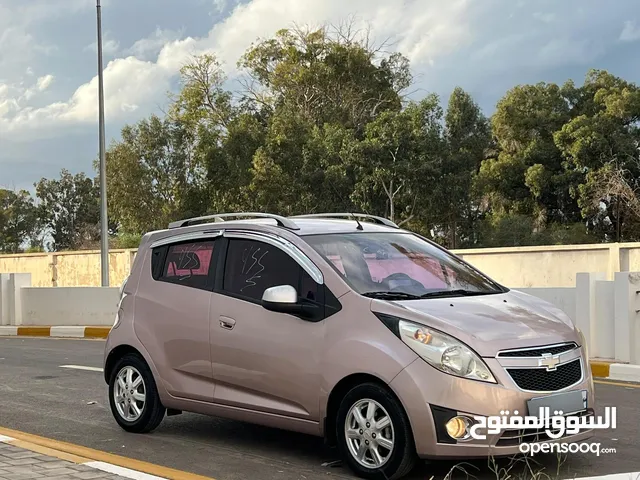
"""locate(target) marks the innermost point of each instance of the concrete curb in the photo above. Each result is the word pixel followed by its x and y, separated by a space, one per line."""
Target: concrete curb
pixel 615 371
pixel 55 331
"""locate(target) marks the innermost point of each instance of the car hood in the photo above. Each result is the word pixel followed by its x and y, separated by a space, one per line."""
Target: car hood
pixel 489 323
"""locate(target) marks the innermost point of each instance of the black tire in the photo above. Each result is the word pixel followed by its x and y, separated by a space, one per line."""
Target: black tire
pixel 403 456
pixel 153 411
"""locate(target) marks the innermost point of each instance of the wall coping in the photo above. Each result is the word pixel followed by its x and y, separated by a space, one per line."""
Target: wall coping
pixel 546 248
pixel 65 253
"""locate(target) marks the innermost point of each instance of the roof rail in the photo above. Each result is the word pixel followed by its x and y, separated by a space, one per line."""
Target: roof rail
pixel 220 217
pixel 381 220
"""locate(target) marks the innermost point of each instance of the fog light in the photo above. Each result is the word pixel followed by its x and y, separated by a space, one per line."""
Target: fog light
pixel 458 427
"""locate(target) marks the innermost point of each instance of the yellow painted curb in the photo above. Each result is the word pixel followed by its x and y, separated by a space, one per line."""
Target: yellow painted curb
pixel 96 332
pixel 34 331
pixel 69 332
pixel 599 369
pixel 80 454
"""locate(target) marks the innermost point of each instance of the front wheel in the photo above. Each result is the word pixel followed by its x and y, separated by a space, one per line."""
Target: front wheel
pixel 133 396
pixel 374 435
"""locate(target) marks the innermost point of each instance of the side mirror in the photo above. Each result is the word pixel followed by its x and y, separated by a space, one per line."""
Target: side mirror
pixel 282 299
pixel 280 294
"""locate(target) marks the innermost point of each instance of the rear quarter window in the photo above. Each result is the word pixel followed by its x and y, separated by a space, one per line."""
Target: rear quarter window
pixel 189 264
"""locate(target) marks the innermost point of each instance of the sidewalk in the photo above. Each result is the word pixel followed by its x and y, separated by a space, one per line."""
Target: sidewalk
pixel 21 464
pixel 24 456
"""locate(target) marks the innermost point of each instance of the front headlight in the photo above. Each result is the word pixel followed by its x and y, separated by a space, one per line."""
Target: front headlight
pixel 440 350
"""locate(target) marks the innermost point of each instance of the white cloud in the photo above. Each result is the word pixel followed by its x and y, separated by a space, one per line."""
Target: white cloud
pixel 424 31
pixel 480 40
pixel 42 84
pixel 220 5
pixel 152 45
pixel 14 96
pixel 110 46
pixel 630 32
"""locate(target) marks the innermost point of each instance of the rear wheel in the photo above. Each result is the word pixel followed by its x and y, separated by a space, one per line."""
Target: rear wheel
pixel 374 435
pixel 133 395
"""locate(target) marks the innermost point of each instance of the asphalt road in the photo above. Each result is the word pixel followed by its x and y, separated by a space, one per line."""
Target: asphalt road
pixel 39 397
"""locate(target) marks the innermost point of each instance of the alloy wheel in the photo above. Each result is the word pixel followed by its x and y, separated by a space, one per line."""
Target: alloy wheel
pixel 129 393
pixel 369 433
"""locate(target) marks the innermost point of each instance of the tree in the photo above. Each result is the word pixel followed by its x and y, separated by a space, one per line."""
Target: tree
pixel 527 176
pixel 314 92
pixel 328 75
pixel 467 136
pixel 401 154
pixel 70 210
pixel 202 104
pixel 19 223
pixel 603 142
pixel 223 136
pixel 153 177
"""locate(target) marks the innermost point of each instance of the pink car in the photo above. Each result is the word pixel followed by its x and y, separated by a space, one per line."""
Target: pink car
pixel 342 326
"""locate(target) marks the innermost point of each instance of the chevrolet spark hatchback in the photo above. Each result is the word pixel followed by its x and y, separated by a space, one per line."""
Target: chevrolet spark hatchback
pixel 347 328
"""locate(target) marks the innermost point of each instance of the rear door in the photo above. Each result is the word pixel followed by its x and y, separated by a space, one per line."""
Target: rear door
pixel 172 314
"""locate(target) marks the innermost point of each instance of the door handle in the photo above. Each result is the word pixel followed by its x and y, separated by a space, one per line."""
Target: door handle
pixel 227 323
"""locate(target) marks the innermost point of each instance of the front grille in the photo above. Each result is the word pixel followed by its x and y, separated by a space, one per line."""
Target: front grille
pixel 541 380
pixel 539 351
pixel 510 438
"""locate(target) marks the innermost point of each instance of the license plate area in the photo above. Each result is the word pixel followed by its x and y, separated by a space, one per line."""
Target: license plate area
pixel 567 402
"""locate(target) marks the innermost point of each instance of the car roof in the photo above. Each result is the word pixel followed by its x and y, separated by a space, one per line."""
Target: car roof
pixel 306 226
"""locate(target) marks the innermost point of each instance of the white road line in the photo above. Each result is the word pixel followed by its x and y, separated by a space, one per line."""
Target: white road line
pixel 123 472
pixel 82 367
pixel 5 439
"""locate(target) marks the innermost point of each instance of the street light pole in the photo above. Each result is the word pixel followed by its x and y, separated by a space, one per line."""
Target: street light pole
pixel 104 224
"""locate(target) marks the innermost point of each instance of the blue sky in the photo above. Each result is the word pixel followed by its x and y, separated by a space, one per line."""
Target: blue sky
pixel 48 66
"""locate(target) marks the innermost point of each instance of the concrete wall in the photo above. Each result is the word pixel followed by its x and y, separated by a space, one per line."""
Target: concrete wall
pixel 564 298
pixel 552 266
pixel 69 306
pixel 520 267
pixel 607 311
pixel 69 269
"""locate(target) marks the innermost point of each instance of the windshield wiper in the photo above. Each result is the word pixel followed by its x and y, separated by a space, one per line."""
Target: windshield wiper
pixel 448 293
pixel 392 295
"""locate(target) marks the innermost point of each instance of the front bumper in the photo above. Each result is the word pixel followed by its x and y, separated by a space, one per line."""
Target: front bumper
pixel 424 389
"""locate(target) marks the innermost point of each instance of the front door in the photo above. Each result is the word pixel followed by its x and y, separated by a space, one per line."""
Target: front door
pixel 263 360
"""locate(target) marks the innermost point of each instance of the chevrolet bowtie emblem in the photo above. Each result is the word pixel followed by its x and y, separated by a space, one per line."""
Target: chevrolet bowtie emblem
pixel 549 361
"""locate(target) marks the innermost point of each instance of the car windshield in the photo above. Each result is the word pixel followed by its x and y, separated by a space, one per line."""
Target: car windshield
pixel 401 265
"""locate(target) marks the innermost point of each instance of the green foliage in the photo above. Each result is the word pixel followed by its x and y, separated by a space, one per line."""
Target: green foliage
pixel 152 176
pixel 19 222
pixel 126 240
pixel 326 76
pixel 69 209
pixel 401 153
